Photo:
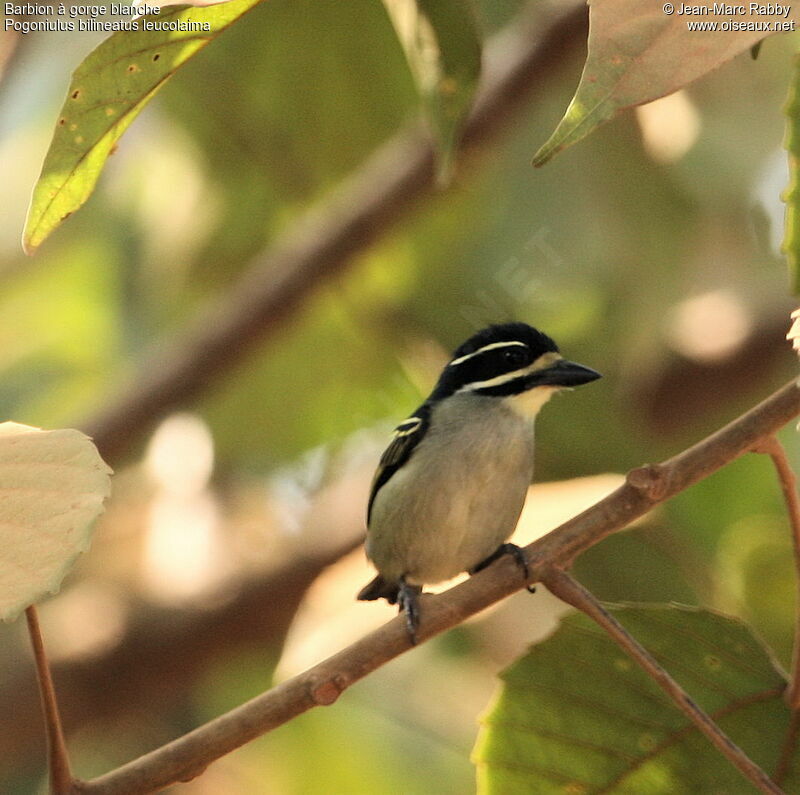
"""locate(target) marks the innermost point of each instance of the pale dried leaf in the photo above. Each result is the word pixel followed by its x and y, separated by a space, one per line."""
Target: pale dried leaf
pixel 794 332
pixel 52 488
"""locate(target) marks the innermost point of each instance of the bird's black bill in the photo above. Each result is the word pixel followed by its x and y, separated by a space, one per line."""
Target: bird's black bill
pixel 565 373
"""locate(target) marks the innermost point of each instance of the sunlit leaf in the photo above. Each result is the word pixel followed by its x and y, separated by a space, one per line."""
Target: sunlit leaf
pixel 443 49
pixel 52 487
pixel 164 3
pixel 576 715
pixel 791 239
pixel 637 53
pixel 106 93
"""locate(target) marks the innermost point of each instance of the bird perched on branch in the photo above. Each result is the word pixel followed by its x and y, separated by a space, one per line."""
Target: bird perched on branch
pixel 451 485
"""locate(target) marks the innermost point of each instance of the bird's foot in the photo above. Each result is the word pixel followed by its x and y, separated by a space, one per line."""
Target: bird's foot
pixel 515 552
pixel 408 602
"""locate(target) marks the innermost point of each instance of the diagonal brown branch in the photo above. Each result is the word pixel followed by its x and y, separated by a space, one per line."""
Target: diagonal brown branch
pixel 573 593
pixel 676 737
pixel 58 758
pixel 145 658
pixel 321 685
pixel 788 750
pixel 397 177
pixel 773 448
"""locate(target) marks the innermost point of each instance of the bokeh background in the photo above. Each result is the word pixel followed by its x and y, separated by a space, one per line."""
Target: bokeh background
pixel 230 553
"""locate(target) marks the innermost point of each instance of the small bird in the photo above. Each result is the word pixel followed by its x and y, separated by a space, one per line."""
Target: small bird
pixel 451 485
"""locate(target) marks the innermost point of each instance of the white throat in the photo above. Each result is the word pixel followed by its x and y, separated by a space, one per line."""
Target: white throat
pixel 527 404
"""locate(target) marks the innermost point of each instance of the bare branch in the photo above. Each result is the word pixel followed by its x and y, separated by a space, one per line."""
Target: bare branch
pixel 573 593
pixel 788 750
pixel 165 650
pixel 654 483
pixel 321 243
pixel 321 685
pixel 57 756
pixel 773 448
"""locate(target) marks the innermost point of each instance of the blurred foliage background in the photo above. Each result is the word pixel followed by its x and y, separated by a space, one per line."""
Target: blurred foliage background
pixel 649 251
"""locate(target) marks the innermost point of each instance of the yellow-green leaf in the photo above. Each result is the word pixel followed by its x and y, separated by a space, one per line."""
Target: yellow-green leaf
pixel 638 53
pixel 52 488
pixel 791 237
pixel 106 93
pixel 443 50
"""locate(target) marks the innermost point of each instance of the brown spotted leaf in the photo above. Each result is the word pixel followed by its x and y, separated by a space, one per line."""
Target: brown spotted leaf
pixel 107 92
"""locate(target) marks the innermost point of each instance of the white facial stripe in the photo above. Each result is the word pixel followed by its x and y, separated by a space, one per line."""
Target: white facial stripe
pixel 407 426
pixel 499 379
pixel 545 360
pixel 485 348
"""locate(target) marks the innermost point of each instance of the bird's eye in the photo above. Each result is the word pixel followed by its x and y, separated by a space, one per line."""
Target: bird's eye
pixel 515 356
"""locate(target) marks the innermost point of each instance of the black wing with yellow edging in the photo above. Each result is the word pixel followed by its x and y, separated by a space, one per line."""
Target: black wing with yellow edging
pixel 407 435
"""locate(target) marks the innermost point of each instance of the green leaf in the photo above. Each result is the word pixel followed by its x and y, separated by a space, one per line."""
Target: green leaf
pixel 105 95
pixel 577 715
pixel 52 488
pixel 637 53
pixel 443 50
pixel 791 236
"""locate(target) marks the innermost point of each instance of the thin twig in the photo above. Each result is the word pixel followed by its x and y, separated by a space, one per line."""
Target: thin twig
pixel 572 592
pixel 145 658
pixel 788 749
pixel 61 782
pixel 320 685
pixel 770 446
pixel 323 241
pixel 651 484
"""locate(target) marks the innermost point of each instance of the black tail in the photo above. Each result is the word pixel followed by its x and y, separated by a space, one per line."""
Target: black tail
pixel 379 589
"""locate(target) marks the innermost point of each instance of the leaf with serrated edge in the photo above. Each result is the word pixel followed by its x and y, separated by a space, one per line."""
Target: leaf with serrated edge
pixel 106 93
pixel 576 714
pixel 52 488
pixel 637 53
